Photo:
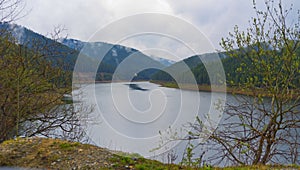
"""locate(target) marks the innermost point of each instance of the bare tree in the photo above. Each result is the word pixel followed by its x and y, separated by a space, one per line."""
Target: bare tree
pixel 262 126
pixel 34 83
pixel 11 10
pixel 35 77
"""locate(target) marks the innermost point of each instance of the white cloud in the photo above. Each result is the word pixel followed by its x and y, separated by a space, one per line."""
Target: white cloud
pixel 81 18
pixel 121 8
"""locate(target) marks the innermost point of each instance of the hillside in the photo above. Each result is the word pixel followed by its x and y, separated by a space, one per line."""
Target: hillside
pixel 119 52
pixel 59 154
pixel 66 51
pixel 181 71
pixel 40 44
pixel 123 62
pixel 192 67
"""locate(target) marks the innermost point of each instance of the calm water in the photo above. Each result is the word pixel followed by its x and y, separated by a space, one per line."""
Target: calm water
pixel 132 117
pixel 136 117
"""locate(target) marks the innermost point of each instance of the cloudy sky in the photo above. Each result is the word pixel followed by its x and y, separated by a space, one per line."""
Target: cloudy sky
pixel 83 18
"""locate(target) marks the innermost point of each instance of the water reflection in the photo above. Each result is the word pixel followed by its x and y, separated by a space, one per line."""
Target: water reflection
pixel 136 87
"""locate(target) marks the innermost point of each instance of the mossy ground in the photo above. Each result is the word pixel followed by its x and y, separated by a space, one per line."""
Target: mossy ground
pixel 45 153
pixel 58 154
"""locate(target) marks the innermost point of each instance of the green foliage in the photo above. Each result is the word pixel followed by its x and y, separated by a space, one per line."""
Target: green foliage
pixel 189 159
pixel 68 145
pixel 32 87
pixel 177 70
pixel 192 69
pixel 103 76
pixel 236 73
pixel 263 63
pixel 267 62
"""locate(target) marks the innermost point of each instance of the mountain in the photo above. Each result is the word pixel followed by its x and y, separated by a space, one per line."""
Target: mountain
pixel 119 61
pixel 123 62
pixel 191 69
pixel 78 45
pixel 163 61
pixel 182 71
pixel 60 54
pixel 72 43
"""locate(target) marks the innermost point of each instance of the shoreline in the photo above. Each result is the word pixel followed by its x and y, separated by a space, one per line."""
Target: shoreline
pixel 198 87
pixel 109 81
pixel 218 89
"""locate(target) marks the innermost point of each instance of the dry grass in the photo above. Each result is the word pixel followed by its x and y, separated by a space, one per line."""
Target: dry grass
pixel 58 154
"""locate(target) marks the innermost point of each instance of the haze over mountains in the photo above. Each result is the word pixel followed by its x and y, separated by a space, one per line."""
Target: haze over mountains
pixel 137 65
pixel 126 63
pixel 104 62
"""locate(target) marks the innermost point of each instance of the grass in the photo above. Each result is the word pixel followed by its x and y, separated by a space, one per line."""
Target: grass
pixel 221 89
pixel 45 153
pixel 68 145
pixel 263 167
pixel 206 88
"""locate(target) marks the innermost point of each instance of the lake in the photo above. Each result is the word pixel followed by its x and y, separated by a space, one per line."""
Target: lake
pixel 133 117
pixel 137 117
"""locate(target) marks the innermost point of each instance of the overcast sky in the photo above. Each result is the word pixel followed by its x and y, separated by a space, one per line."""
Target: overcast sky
pixel 82 18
